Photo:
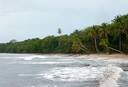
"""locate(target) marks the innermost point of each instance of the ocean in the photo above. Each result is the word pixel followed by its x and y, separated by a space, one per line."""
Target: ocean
pixel 35 70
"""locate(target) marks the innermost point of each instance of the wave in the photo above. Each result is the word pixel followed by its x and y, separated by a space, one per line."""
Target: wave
pixel 44 56
pixel 33 57
pixel 104 76
pixel 110 76
pixel 71 73
pixel 23 56
pixel 43 63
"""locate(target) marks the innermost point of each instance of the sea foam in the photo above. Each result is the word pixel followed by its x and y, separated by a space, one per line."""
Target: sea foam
pixel 110 76
pixel 32 57
pixel 105 76
pixel 72 74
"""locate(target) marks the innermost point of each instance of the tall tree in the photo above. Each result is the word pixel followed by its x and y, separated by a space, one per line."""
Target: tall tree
pixel 93 32
pixel 120 23
pixel 13 41
pixel 59 31
pixel 104 31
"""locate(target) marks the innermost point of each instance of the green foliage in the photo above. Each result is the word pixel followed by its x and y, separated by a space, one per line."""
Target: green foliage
pixel 104 42
pixel 106 37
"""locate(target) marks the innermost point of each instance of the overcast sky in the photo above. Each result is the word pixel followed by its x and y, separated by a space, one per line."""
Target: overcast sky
pixel 23 19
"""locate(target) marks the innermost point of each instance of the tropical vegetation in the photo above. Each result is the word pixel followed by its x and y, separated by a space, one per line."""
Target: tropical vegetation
pixel 105 38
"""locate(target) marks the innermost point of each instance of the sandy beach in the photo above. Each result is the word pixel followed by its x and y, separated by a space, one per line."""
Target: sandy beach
pixel 98 56
pixel 107 56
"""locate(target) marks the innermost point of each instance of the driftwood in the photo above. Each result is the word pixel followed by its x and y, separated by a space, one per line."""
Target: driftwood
pixel 115 49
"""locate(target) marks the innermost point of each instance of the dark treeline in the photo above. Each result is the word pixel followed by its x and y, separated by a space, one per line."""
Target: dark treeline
pixel 105 38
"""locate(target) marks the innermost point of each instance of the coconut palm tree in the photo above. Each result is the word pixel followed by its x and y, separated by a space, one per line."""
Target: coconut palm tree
pixel 104 31
pixel 121 29
pixel 93 33
pixel 59 31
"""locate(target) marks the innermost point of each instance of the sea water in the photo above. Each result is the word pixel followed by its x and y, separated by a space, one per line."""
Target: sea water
pixel 31 70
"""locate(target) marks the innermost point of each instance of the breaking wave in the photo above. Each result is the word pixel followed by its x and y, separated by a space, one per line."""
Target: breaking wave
pixel 23 56
pixel 33 57
pixel 110 76
pixel 71 74
pixel 105 76
pixel 44 56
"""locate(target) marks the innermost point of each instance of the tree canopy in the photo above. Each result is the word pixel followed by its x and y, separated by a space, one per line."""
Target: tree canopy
pixel 105 38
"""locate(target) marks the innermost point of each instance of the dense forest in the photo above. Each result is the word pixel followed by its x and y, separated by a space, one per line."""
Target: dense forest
pixel 105 38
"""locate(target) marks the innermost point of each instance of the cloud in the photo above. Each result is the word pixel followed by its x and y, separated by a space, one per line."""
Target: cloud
pixel 22 19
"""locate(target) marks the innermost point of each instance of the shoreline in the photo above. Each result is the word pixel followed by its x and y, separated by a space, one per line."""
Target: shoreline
pixel 92 56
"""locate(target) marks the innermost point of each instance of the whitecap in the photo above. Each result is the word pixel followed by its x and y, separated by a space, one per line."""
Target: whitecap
pixel 43 63
pixel 29 75
pixel 32 57
pixel 105 76
pixel 72 74
pixel 110 76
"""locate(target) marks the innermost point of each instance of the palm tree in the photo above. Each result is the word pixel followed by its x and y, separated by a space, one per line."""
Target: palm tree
pixel 93 32
pixel 104 31
pixel 121 29
pixel 59 31
pixel 77 45
pixel 120 32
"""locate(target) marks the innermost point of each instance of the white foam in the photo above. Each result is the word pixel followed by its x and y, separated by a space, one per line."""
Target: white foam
pixel 44 56
pixel 23 56
pixel 45 86
pixel 72 74
pixel 32 57
pixel 110 76
pixel 28 75
pixel 44 63
pixel 106 76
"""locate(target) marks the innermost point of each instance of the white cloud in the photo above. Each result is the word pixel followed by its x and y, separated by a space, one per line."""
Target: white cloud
pixel 21 19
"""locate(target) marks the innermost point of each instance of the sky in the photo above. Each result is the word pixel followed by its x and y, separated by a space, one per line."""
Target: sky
pixel 25 19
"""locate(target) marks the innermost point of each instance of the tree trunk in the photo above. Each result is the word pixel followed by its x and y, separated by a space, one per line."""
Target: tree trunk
pixel 120 42
pixel 107 48
pixel 96 47
pixel 114 49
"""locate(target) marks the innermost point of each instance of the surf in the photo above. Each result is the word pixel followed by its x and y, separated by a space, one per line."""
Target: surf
pixel 110 76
